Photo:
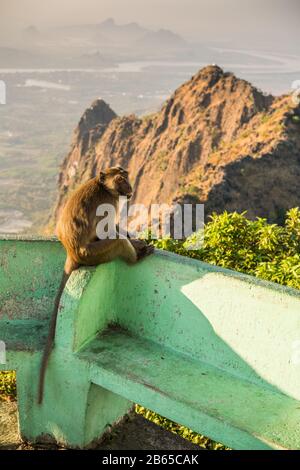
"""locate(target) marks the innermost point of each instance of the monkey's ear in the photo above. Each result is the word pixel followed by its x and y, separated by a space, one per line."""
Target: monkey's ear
pixel 121 169
pixel 102 177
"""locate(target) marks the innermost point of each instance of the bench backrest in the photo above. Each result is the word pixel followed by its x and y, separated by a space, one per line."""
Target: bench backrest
pixel 30 273
pixel 249 327
pixel 238 323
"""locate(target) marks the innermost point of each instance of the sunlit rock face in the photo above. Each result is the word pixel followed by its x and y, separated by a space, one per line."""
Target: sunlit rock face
pixel 217 140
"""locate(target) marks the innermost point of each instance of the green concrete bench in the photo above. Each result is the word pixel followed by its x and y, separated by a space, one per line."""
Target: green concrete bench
pixel 208 348
pixel 29 277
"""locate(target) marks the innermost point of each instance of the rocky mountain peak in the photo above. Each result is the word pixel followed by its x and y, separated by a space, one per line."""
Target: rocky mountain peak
pixel 217 140
pixel 99 113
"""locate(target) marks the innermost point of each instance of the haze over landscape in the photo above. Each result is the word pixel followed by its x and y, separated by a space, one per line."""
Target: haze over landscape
pixel 56 58
pixel 276 21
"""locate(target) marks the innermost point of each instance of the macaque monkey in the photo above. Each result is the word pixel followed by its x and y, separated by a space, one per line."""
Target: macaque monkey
pixel 76 229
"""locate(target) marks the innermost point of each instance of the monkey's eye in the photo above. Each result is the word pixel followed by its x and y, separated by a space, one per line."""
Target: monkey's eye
pixel 120 179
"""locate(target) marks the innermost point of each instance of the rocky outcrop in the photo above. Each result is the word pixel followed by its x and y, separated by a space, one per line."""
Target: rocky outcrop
pixel 217 140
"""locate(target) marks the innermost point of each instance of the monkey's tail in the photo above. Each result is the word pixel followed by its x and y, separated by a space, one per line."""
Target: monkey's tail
pixel 50 338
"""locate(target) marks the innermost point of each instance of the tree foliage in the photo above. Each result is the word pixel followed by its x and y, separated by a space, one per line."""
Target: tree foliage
pixel 230 240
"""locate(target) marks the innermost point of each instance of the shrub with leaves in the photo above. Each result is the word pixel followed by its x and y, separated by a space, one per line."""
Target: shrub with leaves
pixel 271 252
pixel 182 431
pixel 7 385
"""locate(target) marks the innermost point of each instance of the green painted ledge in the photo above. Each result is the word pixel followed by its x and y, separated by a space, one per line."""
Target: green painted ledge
pixel 212 349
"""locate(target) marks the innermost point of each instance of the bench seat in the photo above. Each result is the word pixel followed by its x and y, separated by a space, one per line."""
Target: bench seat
pixel 211 349
pixel 208 399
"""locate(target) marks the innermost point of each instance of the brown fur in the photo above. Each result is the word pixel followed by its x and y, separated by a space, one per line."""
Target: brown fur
pixel 76 230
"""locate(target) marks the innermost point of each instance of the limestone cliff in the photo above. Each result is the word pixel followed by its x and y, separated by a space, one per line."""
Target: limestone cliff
pixel 217 140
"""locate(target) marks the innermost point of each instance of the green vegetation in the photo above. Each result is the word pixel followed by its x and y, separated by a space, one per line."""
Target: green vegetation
pixel 215 134
pixel 271 252
pixel 192 189
pixel 7 385
pixel 296 119
pixel 163 160
pixel 148 117
pixel 188 434
pixel 230 240
pixel 245 134
pixel 265 118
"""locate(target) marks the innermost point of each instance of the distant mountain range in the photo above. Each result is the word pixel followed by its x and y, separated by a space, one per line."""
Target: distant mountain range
pixel 90 45
pixel 217 140
pixel 162 38
pixel 107 43
pixel 124 41
pixel 110 33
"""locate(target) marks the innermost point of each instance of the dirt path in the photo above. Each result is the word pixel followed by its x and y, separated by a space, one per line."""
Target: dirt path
pixel 133 433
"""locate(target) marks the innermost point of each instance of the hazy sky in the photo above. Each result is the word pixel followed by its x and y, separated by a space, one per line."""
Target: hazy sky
pixel 196 19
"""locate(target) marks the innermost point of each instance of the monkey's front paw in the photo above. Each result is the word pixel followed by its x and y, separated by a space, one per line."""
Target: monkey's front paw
pixel 142 248
pixel 146 250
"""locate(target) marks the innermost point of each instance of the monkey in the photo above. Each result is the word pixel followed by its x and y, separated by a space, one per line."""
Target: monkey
pixel 76 229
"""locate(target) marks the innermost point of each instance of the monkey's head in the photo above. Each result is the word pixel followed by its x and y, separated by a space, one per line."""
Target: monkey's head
pixel 115 181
